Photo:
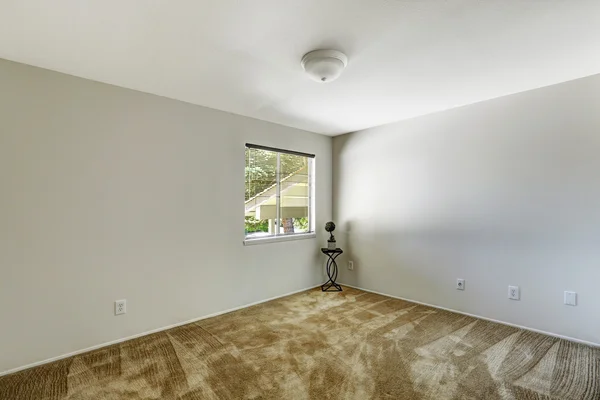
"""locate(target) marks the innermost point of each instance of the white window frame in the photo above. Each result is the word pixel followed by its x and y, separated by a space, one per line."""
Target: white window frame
pixel 284 237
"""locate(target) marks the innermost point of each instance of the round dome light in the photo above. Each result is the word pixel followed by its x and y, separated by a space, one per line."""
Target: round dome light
pixel 324 65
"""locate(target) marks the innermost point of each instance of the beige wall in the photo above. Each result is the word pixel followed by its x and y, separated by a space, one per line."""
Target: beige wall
pixel 108 193
pixel 504 192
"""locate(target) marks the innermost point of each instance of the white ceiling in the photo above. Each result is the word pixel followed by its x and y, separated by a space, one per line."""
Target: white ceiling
pixel 407 57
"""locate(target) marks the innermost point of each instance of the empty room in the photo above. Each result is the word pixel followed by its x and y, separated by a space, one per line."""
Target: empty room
pixel 299 199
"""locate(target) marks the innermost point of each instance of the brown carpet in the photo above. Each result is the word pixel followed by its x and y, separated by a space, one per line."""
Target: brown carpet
pixel 314 345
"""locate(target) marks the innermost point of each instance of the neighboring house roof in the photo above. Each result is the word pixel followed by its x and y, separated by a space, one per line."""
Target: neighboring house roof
pixel 268 196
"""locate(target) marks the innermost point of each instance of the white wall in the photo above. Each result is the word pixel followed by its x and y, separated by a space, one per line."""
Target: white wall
pixel 501 192
pixel 108 193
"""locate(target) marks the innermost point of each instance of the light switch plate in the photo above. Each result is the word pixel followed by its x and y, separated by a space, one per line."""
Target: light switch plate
pixel 570 298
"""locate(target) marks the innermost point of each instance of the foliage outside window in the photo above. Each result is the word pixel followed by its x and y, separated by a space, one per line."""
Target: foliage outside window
pixel 277 193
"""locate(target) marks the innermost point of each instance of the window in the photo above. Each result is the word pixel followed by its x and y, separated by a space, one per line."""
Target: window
pixel 279 199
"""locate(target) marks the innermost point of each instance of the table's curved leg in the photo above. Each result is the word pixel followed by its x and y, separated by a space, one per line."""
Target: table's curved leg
pixel 332 273
pixel 335 271
pixel 327 284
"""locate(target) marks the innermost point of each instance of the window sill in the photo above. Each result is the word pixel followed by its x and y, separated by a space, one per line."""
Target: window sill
pixel 282 238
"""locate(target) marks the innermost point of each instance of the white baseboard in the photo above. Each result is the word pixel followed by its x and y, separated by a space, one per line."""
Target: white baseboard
pixel 99 346
pixel 556 335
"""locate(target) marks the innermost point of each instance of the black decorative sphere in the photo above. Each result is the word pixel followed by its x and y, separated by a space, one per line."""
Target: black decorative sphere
pixel 330 226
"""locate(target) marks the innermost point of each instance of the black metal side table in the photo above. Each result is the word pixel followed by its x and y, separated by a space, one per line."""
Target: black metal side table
pixel 332 270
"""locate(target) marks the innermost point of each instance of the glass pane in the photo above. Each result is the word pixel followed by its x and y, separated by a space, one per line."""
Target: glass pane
pixel 261 193
pixel 295 190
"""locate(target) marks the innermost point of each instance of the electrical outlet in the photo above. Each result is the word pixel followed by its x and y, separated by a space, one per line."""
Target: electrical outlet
pixel 460 284
pixel 351 265
pixel 120 307
pixel 514 293
pixel 571 298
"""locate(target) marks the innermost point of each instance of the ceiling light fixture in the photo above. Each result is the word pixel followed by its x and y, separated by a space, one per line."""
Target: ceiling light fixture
pixel 324 65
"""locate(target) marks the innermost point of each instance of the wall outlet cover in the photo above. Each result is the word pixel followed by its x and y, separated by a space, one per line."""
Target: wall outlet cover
pixel 120 307
pixel 514 293
pixel 460 284
pixel 351 265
